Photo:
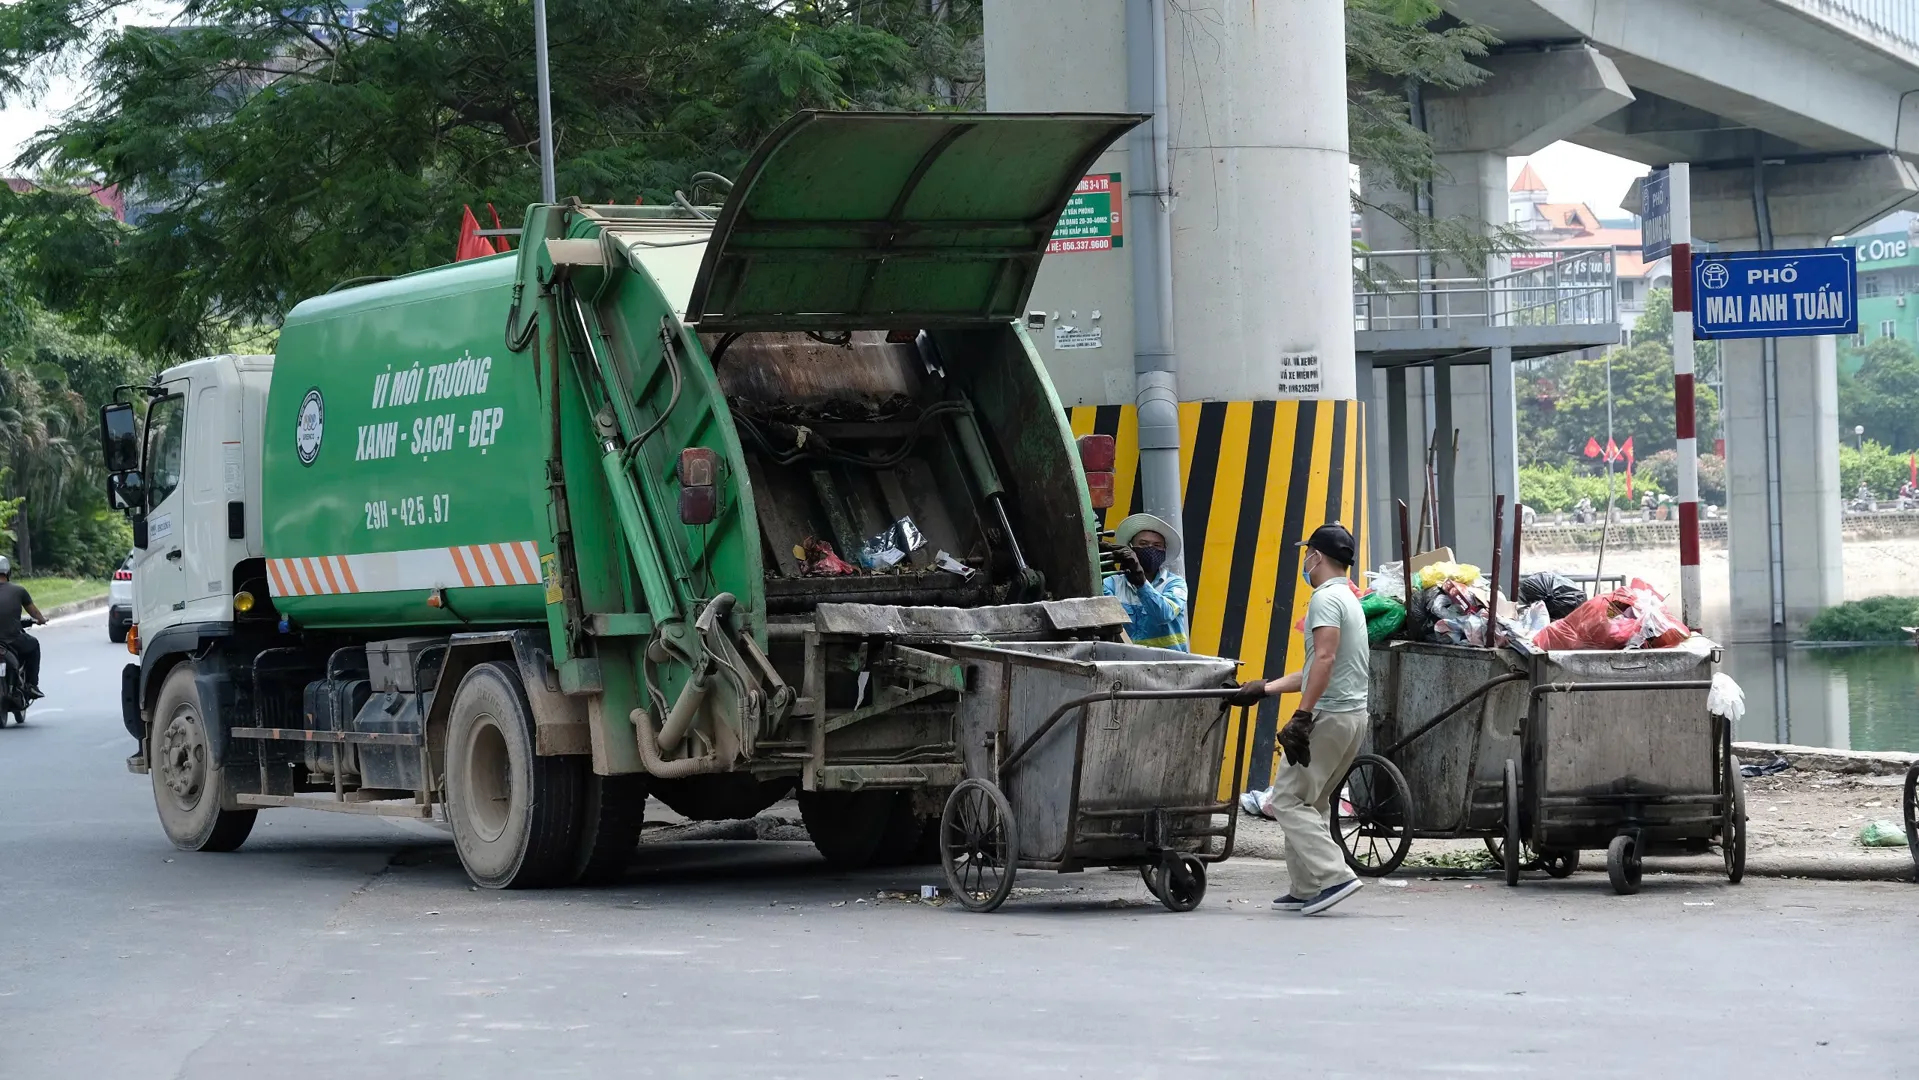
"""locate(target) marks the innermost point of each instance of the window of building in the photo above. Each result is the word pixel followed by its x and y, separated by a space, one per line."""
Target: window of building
pixel 1888 329
pixel 1869 285
pixel 1626 289
pixel 1858 341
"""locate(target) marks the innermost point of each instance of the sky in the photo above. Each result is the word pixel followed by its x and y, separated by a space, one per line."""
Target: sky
pixel 19 121
pixel 1577 174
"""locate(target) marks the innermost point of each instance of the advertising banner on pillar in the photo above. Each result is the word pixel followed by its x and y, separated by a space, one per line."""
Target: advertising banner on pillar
pixel 1092 220
pixel 1655 216
pixel 1810 292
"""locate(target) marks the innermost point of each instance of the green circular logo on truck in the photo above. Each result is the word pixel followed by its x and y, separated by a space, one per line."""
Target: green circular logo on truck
pixel 311 426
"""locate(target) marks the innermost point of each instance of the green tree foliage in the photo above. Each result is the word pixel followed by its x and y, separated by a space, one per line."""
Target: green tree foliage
pixel 1878 466
pixel 1564 403
pixel 273 151
pixel 1551 489
pixel 1391 46
pixel 1662 469
pixel 1883 396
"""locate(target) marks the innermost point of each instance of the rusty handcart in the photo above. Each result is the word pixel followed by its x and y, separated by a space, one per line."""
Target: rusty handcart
pixel 1544 756
pixel 1090 754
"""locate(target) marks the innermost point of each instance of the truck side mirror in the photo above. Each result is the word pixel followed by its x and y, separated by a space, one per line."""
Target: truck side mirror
pixel 119 437
pixel 699 498
pixel 127 490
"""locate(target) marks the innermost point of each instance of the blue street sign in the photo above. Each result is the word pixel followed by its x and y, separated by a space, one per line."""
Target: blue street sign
pixel 1807 293
pixel 1655 216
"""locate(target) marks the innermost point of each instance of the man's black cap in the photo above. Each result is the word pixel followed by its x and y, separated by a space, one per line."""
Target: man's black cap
pixel 1333 541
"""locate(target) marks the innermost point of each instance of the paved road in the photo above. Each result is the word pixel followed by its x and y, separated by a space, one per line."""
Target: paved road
pixel 339 946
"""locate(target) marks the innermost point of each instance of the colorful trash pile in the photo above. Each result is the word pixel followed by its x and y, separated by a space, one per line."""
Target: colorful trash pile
pixel 1451 604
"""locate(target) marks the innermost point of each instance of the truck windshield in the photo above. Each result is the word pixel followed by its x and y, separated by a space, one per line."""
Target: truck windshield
pixel 166 430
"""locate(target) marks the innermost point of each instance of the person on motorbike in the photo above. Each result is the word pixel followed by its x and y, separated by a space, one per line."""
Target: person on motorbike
pixel 15 599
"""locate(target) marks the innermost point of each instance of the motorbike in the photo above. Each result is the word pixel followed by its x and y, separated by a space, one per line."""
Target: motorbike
pixel 13 686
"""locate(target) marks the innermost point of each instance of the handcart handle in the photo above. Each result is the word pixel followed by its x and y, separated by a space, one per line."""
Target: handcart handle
pixel 1635 684
pixel 1115 694
pixel 1474 695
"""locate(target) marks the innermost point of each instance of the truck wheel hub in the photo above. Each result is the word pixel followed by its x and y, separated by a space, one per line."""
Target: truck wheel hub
pixel 183 759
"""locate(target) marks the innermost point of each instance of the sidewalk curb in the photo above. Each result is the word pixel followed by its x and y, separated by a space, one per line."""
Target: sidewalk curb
pixel 1894 865
pixel 1826 759
pixel 60 611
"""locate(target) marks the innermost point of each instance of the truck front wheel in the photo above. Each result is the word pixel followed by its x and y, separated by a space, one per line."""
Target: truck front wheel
pixel 515 815
pixel 188 788
pixel 848 827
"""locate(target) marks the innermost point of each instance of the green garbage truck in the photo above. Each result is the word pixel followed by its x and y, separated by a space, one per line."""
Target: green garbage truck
pixel 682 502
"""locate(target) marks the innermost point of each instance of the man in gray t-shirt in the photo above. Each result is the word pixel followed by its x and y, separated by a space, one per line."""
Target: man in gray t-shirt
pixel 1323 735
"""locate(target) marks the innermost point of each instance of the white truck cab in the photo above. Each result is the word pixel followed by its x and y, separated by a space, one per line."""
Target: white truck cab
pixel 201 522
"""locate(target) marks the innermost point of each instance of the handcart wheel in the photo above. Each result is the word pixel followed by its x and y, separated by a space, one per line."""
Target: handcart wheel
pixel 1622 864
pixel 1732 834
pixel 1912 815
pixel 979 844
pixel 1514 849
pixel 1561 864
pixel 1375 836
pixel 1179 884
pixel 1529 861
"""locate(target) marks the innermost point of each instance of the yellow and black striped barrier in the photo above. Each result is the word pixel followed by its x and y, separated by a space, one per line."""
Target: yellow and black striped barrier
pixel 1257 477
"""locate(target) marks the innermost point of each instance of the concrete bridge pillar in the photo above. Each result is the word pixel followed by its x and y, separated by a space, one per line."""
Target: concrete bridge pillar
pixel 1781 418
pixel 1531 101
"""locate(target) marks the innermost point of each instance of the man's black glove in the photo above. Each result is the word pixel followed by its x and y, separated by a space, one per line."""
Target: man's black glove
pixel 1251 692
pixel 1127 562
pixel 1296 738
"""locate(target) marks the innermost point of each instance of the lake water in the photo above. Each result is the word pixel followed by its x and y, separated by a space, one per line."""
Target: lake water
pixel 1854 698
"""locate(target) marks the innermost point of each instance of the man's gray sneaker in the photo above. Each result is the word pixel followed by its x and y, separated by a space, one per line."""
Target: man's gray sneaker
pixel 1289 902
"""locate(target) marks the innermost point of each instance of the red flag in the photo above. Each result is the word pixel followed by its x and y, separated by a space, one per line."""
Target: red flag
pixel 1592 447
pixel 1628 485
pixel 1627 449
pixel 1912 466
pixel 500 243
pixel 472 245
pixel 1612 450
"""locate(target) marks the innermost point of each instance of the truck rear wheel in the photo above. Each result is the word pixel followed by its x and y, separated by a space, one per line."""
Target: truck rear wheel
pixel 612 809
pixel 910 839
pixel 847 827
pixel 188 787
pixel 515 815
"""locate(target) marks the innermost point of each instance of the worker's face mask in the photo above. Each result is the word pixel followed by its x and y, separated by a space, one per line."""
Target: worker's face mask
pixel 1150 560
pixel 1306 572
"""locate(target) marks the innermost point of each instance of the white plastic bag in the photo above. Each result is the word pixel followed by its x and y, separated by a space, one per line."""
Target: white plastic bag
pixel 1726 698
pixel 1388 580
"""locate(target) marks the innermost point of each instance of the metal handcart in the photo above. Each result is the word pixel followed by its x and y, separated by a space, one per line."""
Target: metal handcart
pixel 1090 754
pixel 1544 756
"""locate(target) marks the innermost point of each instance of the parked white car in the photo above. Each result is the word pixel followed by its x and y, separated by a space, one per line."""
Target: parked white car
pixel 120 601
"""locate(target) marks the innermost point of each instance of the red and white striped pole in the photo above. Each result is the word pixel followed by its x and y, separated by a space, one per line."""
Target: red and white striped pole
pixel 1679 190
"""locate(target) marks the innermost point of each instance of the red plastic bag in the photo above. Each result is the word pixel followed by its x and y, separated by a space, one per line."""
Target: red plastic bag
pixel 1591 625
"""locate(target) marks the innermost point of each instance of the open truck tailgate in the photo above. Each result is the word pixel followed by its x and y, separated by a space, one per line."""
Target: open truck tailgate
pixel 895 221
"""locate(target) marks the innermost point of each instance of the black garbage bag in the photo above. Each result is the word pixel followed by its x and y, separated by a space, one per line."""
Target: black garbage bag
pixel 1558 592
pixel 1419 616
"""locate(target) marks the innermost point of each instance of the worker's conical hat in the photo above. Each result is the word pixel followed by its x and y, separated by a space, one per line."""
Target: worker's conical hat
pixel 1139 523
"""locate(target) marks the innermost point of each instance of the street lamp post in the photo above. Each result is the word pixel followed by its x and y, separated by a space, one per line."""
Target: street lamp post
pixel 545 90
pixel 1859 437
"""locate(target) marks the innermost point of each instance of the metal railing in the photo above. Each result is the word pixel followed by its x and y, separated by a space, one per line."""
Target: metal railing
pixel 1891 24
pixel 1398 290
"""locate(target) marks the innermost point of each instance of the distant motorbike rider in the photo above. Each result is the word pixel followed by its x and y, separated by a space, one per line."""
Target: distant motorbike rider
pixel 15 599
